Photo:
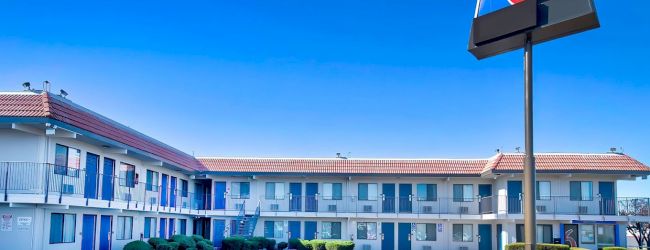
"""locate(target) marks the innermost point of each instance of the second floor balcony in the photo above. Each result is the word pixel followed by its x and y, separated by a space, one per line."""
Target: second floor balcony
pixel 24 182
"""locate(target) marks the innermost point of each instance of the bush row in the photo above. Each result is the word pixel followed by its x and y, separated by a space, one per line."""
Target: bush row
pixel 176 242
pixel 320 244
pixel 240 243
pixel 542 246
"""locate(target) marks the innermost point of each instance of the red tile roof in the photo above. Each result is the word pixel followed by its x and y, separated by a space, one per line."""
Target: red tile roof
pixel 45 105
pixel 570 163
pixel 346 166
pixel 565 162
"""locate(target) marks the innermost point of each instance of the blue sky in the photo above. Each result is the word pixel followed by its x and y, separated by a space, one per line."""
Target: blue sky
pixel 312 78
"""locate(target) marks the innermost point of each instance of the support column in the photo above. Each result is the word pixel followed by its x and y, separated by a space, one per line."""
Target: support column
pixel 529 162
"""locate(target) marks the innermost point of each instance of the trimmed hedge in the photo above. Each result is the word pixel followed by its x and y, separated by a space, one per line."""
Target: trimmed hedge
pixel 298 244
pixel 540 246
pixel 175 245
pixel 197 238
pixel 202 245
pixel 233 243
pixel 264 243
pixel 578 248
pixel 282 245
pixel 339 245
pixel 184 242
pixel 154 242
pixel 614 248
pixel 137 245
pixel 164 247
pixel 316 244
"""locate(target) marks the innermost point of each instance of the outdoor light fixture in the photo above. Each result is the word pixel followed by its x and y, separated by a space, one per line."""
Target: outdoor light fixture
pixel 27 86
pixel 63 93
pixel 521 25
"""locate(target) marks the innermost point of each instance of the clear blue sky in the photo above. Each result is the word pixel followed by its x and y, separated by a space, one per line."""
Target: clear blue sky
pixel 312 78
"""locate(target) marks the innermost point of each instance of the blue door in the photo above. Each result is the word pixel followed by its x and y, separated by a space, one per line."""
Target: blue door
pixel 105 232
pixel 183 228
pixel 484 237
pixel 500 232
pixel 404 236
pixel 171 228
pixel 163 190
pixel 163 226
pixel 172 191
pixel 311 189
pixel 388 204
pixel 405 192
pixel 295 191
pixel 218 227
pixel 310 230
pixel 92 165
pixel 107 179
pixel 88 232
pixel 514 197
pixel 607 198
pixel 294 229
pixel 485 192
pixel 219 195
pixel 387 236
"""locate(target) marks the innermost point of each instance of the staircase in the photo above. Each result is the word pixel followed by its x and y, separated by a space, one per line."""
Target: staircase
pixel 244 225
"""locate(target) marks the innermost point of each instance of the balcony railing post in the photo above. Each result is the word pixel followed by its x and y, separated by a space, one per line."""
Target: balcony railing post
pixel 6 181
pixel 61 188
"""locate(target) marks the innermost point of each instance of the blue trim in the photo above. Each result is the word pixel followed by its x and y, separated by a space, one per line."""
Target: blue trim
pixel 591 222
pixel 562 233
pixel 217 173
pixel 617 239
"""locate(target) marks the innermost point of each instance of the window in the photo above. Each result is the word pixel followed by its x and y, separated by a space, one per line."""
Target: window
pixel 463 232
pixel 543 191
pixel 331 230
pixel 152 181
pixel 274 190
pixel 149 227
pixel 605 235
pixel 183 227
pixel 587 234
pixel 67 160
pixel 427 192
pixel 274 229
pixel 463 193
pixel 332 191
pixel 367 191
pixel 581 190
pixel 124 227
pixel 62 228
pixel 545 233
pixel 519 232
pixel 127 175
pixel 425 232
pixel 367 230
pixel 184 188
pixel 240 190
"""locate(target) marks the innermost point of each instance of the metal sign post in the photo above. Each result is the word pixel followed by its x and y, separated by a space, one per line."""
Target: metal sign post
pixel 521 25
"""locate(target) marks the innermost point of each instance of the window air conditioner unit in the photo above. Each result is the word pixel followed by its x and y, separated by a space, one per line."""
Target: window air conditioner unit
pixel 153 200
pixel 126 197
pixel 367 208
pixel 463 210
pixel 239 206
pixel 427 209
pixel 583 209
pixel 366 247
pixel 184 204
pixel 331 208
pixel 275 207
pixel 541 209
pixel 68 189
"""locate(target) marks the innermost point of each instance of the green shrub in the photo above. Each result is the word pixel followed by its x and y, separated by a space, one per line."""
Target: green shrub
pixel 164 247
pixel 197 238
pixel 282 245
pixel 339 245
pixel 578 248
pixel 184 242
pixel 540 246
pixel 202 245
pixel 317 244
pixel 263 243
pixel 209 242
pixel 295 243
pixel 232 243
pixel 250 245
pixel 175 245
pixel 614 248
pixel 137 245
pixel 154 242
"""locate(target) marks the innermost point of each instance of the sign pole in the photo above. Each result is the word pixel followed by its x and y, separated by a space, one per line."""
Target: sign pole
pixel 529 162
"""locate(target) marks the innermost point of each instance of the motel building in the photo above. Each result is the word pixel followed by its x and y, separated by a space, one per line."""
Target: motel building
pixel 73 179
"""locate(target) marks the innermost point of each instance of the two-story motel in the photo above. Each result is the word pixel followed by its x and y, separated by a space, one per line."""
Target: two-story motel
pixel 73 179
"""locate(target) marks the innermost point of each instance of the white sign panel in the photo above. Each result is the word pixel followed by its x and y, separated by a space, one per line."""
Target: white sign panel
pixel 7 223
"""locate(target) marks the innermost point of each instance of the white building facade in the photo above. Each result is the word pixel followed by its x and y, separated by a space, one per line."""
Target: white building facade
pixel 73 179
